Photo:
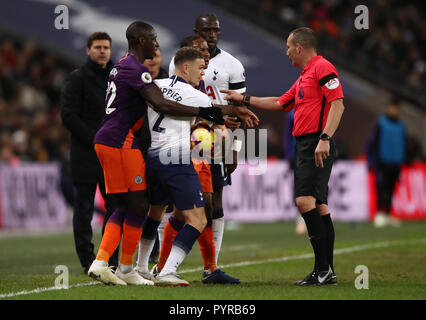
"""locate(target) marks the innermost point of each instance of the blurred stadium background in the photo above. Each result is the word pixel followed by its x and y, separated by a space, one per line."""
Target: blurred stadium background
pixel 388 59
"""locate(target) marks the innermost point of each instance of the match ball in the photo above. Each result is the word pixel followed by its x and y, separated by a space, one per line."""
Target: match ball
pixel 202 138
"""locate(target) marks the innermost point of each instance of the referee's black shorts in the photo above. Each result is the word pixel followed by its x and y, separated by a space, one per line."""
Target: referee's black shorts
pixel 310 180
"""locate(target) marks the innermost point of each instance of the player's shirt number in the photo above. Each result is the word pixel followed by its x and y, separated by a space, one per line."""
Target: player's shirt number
pixel 210 92
pixel 110 96
pixel 156 126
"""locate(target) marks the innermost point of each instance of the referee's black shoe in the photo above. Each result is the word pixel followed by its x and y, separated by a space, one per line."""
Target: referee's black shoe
pixel 332 280
pixel 316 278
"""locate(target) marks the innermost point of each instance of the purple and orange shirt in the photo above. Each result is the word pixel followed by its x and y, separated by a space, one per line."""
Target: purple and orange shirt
pixel 125 107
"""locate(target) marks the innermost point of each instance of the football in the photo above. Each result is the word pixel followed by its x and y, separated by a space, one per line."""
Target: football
pixel 202 138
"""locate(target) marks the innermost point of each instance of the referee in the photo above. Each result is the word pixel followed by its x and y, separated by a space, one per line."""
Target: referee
pixel 317 99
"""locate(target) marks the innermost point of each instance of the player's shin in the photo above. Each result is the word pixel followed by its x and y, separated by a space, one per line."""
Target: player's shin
pixel 181 247
pixel 146 243
pixel 218 225
pixel 132 230
pixel 111 237
pixel 207 247
pixel 172 228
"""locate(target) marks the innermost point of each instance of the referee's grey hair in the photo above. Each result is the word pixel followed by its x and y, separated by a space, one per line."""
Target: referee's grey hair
pixel 305 37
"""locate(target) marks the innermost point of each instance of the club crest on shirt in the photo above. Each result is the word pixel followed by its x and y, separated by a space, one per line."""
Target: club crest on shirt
pixel 332 84
pixel 146 77
pixel 215 74
pixel 138 179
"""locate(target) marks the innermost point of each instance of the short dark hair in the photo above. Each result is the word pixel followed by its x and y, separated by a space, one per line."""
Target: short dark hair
pixel 187 54
pixel 208 16
pixel 98 36
pixel 136 29
pixel 189 40
pixel 305 37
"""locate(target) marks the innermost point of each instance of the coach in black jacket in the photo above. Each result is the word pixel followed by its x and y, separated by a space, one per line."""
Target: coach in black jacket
pixel 82 111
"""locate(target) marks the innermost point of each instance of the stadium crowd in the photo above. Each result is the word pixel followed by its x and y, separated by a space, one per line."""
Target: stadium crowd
pixel 30 86
pixel 397 43
pixel 31 78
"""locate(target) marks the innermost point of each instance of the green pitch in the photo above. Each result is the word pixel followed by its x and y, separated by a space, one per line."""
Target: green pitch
pixel 267 258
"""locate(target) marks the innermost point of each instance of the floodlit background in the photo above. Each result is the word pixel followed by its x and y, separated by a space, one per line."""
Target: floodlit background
pixel 387 59
pixel 261 245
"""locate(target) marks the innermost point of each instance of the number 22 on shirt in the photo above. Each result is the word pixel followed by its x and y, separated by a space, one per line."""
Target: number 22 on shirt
pixel 110 96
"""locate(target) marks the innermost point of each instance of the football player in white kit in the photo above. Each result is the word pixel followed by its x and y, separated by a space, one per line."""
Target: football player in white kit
pixel 171 225
pixel 170 172
pixel 224 72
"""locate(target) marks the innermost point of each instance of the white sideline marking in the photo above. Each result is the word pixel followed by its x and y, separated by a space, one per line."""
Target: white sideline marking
pixel 40 290
pixel 239 264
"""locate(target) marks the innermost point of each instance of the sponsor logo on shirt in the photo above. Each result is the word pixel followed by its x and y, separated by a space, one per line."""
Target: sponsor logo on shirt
pixel 332 84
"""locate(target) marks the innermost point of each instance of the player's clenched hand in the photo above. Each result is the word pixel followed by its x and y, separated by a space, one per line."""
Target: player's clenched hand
pixel 232 123
pixel 233 97
pixel 322 152
pixel 246 115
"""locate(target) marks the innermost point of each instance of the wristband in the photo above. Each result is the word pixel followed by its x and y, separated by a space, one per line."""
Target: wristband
pixel 237 145
pixel 246 100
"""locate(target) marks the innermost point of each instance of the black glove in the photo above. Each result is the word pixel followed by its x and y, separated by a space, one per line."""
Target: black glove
pixel 213 114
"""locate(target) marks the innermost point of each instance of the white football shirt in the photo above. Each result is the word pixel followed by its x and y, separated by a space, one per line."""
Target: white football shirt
pixel 170 135
pixel 224 72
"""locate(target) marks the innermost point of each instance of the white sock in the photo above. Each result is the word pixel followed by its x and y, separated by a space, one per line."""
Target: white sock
pixel 218 226
pixel 144 251
pixel 176 256
pixel 125 268
pixel 166 217
pixel 100 263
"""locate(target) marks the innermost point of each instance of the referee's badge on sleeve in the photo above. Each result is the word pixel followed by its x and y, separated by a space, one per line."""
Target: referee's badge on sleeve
pixel 332 84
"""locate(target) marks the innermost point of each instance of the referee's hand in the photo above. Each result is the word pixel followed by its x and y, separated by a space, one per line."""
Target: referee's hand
pixel 322 152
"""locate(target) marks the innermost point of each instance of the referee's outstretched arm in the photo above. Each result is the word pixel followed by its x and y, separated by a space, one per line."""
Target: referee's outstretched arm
pixel 265 103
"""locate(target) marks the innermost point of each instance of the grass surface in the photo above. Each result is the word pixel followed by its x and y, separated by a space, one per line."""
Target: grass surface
pixel 395 258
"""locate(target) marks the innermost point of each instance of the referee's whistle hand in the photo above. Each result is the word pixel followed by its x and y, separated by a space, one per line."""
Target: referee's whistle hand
pixel 322 152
